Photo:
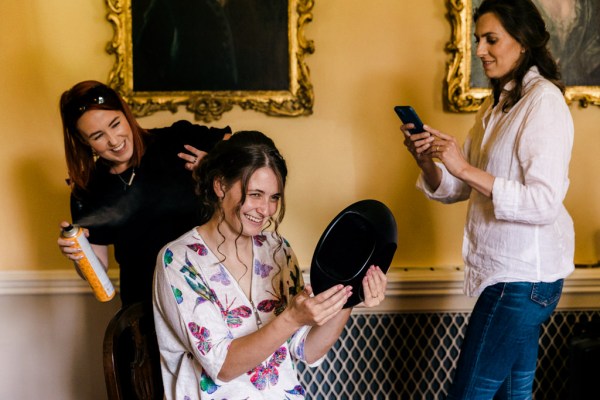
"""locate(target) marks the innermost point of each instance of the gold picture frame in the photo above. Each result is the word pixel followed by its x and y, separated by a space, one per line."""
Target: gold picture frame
pixel 291 98
pixel 462 89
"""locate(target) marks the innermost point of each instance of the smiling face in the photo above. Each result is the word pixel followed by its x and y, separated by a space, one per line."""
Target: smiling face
pixel 108 132
pixel 498 50
pixel 262 201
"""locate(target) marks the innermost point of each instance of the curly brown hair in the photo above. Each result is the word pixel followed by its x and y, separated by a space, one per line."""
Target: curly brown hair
pixel 236 160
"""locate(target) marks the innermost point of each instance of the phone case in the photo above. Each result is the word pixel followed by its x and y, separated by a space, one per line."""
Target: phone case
pixel 408 115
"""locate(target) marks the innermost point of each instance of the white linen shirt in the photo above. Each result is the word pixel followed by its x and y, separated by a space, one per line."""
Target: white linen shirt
pixel 199 309
pixel 523 233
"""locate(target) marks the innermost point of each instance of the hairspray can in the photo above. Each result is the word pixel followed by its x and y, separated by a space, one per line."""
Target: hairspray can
pixel 89 265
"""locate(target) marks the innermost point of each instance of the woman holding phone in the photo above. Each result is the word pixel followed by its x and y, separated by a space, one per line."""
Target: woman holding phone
pixel 513 168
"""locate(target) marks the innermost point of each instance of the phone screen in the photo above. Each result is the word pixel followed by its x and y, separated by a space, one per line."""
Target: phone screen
pixel 409 116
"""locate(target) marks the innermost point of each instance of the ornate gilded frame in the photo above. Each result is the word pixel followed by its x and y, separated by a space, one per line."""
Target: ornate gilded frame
pixel 460 95
pixel 210 105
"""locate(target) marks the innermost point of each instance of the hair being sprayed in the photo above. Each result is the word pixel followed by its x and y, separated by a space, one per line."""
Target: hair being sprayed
pixel 523 21
pixel 236 160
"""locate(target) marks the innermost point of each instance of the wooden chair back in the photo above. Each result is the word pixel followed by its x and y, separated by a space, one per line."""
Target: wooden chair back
pixel 131 356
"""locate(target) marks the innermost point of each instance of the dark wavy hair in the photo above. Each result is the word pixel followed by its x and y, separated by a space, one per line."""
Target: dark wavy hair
pixel 85 96
pixel 236 160
pixel 523 21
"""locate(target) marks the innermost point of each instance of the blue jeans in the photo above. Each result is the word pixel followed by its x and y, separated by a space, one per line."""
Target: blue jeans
pixel 498 356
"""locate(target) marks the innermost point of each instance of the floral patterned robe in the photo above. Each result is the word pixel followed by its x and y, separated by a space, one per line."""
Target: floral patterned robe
pixel 199 308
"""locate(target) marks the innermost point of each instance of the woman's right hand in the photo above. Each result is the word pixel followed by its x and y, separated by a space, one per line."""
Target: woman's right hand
pixel 192 158
pixel 306 309
pixel 66 245
pixel 420 146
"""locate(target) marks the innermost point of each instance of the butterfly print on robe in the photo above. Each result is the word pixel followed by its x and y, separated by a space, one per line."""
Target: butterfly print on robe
pixel 262 269
pixel 167 258
pixel 178 295
pixel 198 248
pixel 221 277
pixel 201 288
pixel 259 240
pixel 189 269
pixel 277 304
pixel 295 275
pixel 300 349
pixel 264 376
pixel 203 335
pixel 297 390
pixel 207 384
pixel 233 317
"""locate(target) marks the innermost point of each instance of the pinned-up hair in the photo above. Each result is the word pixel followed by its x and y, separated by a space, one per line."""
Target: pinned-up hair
pixel 235 160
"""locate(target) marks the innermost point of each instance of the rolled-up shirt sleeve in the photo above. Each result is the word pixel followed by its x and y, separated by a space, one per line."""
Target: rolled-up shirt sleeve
pixel 450 190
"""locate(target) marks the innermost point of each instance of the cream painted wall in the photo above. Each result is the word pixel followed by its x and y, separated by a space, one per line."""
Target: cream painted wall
pixel 369 57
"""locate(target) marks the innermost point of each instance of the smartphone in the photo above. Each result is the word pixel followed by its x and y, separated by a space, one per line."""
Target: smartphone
pixel 409 116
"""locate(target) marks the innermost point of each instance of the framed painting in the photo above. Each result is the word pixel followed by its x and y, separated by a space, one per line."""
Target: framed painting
pixel 211 55
pixel 574 42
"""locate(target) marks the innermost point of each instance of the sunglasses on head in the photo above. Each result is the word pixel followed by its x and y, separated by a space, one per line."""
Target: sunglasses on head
pixel 97 95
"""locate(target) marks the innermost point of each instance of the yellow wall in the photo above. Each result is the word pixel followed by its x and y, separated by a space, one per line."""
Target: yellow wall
pixel 369 57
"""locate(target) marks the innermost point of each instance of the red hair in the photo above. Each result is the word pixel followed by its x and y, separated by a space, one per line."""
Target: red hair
pixel 85 96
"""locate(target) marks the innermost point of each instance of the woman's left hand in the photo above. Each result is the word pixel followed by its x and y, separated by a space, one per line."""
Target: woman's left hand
pixel 446 149
pixel 192 159
pixel 374 286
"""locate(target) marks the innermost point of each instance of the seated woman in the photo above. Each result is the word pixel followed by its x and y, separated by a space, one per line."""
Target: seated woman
pixel 231 309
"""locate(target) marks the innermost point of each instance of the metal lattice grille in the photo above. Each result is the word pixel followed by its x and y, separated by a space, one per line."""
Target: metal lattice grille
pixel 412 356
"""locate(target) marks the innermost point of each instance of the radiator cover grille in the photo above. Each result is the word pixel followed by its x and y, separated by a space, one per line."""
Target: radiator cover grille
pixel 412 356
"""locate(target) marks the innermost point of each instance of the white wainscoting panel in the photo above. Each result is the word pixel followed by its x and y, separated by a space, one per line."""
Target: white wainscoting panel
pixel 52 326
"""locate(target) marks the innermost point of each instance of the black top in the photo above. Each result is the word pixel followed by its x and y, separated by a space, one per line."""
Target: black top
pixel 159 206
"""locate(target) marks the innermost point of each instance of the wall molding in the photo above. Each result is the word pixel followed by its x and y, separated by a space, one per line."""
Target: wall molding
pixel 441 289
pixel 50 282
pixel 409 289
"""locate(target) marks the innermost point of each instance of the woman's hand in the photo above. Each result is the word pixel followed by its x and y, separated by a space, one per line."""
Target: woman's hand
pixel 192 159
pixel 66 245
pixel 417 144
pixel 447 149
pixel 306 309
pixel 374 286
